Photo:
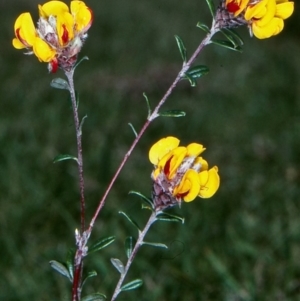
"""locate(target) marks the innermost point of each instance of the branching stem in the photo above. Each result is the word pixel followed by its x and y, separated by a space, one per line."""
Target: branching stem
pixel 138 244
pixel 153 115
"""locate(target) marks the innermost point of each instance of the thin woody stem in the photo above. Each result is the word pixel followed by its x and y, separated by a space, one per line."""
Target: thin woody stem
pixel 153 115
pixel 138 244
pixel 69 75
pixel 78 266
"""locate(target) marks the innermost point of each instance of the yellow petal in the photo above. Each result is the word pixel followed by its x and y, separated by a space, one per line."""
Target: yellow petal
pixel 212 184
pixel 267 17
pixel 82 15
pixel 161 148
pixel 256 11
pixel 25 30
pixel 203 163
pixel 178 154
pixel 17 44
pixel 53 8
pixel 195 149
pixel 189 186
pixel 43 51
pixel 240 3
pixel 64 27
pixel 284 10
pixel 274 27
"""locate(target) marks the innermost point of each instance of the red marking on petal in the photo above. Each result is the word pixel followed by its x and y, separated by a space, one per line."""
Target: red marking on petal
pixel 167 167
pixel 65 35
pixel 53 65
pixel 182 195
pixel 232 7
pixel 19 37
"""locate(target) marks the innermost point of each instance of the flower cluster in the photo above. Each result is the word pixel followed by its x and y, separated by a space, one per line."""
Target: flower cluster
pixel 180 174
pixel 59 35
pixel 264 17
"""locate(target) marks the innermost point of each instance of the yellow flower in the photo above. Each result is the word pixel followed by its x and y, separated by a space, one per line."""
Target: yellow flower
pixel 59 35
pixel 180 173
pixel 267 17
pixel 264 17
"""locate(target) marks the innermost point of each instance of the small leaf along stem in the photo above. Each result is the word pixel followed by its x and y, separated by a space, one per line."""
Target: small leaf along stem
pixel 153 115
pixel 78 266
pixel 137 245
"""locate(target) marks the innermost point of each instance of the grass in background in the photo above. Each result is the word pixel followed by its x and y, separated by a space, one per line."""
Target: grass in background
pixel 243 244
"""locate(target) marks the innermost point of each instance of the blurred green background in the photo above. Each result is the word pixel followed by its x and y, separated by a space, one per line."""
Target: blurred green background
pixel 243 244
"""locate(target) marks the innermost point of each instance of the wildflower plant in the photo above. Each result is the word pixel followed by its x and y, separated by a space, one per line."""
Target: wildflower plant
pixel 180 173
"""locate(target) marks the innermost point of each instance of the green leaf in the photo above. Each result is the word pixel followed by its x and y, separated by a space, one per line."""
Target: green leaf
pixel 197 71
pixel 148 104
pixel 155 244
pixel 236 35
pixel 203 27
pixel 81 123
pixel 94 297
pixel 101 243
pixel 89 275
pixel 60 268
pixel 70 262
pixel 227 44
pixel 117 263
pixel 130 220
pixel 144 198
pixel 232 37
pixel 133 129
pixel 85 58
pixel 59 158
pixel 191 79
pixel 132 285
pixel 59 83
pixel 129 245
pixel 211 7
pixel 167 217
pixel 172 113
pixel 181 47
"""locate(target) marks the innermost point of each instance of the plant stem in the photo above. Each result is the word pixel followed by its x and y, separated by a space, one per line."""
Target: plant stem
pixel 138 244
pixel 154 114
pixel 78 266
pixel 69 75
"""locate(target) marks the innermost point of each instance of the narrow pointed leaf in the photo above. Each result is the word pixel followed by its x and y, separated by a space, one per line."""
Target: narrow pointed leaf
pixel 89 275
pixel 70 262
pixel 130 220
pixel 60 268
pixel 82 122
pixel 147 207
pixel 133 129
pixel 235 35
pixel 181 48
pixel 155 244
pixel 144 198
pixel 203 27
pixel 129 245
pixel 85 58
pixel 65 157
pixel 117 263
pixel 94 297
pixel 197 71
pixel 59 83
pixel 132 285
pixel 227 44
pixel 101 243
pixel 148 104
pixel 166 217
pixel 232 37
pixel 191 79
pixel 211 7
pixel 172 113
